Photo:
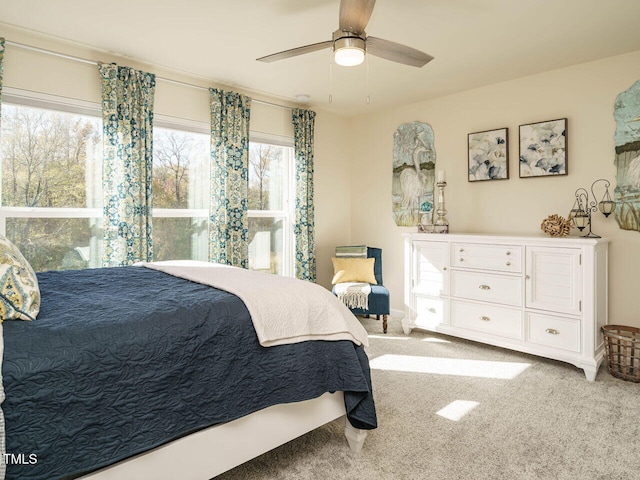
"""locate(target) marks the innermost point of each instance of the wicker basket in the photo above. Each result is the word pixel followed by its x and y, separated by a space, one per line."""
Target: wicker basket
pixel 622 351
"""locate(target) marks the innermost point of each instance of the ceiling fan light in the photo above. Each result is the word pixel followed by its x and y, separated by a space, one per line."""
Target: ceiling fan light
pixel 349 57
pixel 348 51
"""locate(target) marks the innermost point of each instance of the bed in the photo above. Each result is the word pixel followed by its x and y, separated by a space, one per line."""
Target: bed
pixel 150 372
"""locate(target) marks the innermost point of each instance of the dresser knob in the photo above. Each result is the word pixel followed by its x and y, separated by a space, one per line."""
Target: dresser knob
pixel 431 310
pixel 462 250
pixel 508 252
pixel 484 287
pixel 508 264
pixel 552 331
pixel 485 319
pixel 444 268
pixel 462 259
pixel 527 277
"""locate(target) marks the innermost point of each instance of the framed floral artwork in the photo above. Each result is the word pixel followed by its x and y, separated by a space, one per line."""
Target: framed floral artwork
pixel 489 155
pixel 543 149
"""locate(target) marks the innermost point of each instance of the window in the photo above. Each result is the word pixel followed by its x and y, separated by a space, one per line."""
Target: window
pixel 270 205
pixel 51 201
pixel 180 194
pixel 51 187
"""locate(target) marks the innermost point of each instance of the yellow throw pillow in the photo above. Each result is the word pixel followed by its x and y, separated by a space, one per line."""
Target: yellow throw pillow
pixel 353 270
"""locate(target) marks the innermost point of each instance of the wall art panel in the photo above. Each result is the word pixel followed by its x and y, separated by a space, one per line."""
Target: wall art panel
pixel 414 160
pixel 627 193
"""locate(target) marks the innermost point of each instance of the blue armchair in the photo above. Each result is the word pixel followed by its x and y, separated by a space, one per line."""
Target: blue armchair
pixel 379 303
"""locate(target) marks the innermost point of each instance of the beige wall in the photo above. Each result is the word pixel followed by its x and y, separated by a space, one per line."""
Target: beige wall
pixel 38 72
pixel 584 94
pixel 333 191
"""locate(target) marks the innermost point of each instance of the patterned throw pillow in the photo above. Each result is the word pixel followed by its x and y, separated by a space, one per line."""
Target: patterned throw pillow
pixel 19 292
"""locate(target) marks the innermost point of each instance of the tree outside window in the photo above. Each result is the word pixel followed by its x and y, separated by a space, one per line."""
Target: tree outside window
pixel 180 187
pixel 46 159
pixel 51 196
pixel 269 218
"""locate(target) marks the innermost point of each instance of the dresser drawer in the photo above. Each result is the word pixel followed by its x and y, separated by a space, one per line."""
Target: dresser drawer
pixel 502 258
pixel 556 332
pixel 505 322
pixel 429 312
pixel 487 287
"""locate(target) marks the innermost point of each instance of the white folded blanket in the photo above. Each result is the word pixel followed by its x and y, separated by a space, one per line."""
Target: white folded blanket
pixel 354 294
pixel 283 310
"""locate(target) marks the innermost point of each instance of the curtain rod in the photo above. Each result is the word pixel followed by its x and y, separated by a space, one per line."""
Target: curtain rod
pixel 93 62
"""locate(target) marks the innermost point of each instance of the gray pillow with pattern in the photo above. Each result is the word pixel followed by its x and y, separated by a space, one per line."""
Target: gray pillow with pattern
pixel 19 292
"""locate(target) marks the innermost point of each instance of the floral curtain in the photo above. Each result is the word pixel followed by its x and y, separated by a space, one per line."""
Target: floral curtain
pixel 303 126
pixel 1 71
pixel 3 465
pixel 127 116
pixel 228 225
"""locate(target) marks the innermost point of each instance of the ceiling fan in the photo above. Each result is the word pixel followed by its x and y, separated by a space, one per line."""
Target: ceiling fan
pixel 350 43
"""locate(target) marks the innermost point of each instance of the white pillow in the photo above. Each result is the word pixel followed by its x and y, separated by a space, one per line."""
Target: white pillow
pixel 19 292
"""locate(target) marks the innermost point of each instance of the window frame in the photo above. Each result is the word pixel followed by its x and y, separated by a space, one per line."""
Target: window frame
pixel 30 99
pixel 287 213
pixel 182 124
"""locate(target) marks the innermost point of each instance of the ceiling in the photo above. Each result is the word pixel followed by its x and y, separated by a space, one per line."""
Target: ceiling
pixel 474 42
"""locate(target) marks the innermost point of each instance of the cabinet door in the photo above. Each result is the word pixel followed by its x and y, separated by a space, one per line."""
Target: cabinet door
pixel 554 279
pixel 430 268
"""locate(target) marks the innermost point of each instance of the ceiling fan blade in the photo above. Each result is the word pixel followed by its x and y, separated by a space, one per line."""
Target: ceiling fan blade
pixel 355 14
pixel 294 52
pixel 396 52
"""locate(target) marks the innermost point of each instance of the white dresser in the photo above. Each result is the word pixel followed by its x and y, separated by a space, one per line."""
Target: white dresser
pixel 535 294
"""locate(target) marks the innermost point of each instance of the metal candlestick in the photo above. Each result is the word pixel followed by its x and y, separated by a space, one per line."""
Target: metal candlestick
pixel 441 224
pixel 584 206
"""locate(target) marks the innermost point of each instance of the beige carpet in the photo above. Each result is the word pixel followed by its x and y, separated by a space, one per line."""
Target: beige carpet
pixel 516 417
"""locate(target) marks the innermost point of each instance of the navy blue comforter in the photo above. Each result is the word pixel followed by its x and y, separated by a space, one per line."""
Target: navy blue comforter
pixel 122 360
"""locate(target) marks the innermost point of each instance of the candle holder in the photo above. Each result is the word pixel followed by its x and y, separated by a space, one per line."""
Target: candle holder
pixel 441 225
pixel 584 206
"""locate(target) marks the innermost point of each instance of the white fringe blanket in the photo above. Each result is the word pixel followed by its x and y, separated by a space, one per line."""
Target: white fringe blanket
pixel 283 310
pixel 354 295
